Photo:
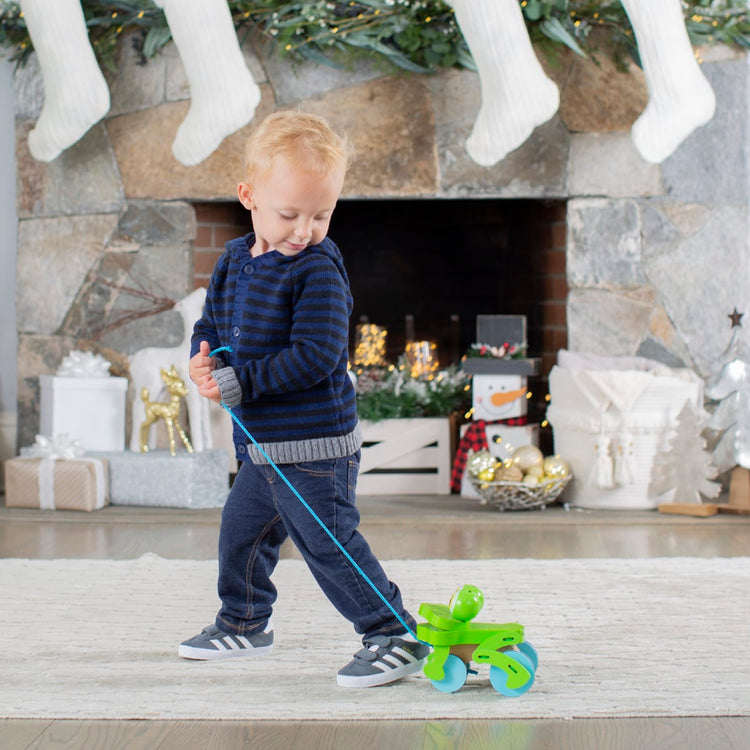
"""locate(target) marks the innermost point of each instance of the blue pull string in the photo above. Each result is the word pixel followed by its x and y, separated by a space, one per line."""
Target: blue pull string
pixel 320 521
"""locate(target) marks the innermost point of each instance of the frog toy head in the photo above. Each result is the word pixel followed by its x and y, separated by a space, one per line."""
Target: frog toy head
pixel 466 603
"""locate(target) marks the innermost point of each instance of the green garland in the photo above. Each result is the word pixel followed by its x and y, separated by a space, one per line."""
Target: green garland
pixel 416 35
pixel 392 393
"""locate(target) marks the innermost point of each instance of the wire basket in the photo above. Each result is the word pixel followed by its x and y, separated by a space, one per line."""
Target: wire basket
pixel 519 495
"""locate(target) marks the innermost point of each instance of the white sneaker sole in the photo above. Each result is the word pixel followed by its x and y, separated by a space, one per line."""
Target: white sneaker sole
pixel 380 678
pixel 206 654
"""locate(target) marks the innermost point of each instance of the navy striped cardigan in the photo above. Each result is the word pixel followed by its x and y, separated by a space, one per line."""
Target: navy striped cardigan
pixel 286 319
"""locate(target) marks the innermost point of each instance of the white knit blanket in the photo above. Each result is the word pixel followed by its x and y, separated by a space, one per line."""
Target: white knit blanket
pixel 98 639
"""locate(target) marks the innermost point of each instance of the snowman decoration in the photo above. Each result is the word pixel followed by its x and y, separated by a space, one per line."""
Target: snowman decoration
pixel 500 395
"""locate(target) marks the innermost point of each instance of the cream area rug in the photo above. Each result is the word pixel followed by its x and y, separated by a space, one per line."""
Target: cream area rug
pixel 97 639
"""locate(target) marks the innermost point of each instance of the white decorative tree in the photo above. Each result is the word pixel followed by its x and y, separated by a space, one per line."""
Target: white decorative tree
pixel 730 389
pixel 685 466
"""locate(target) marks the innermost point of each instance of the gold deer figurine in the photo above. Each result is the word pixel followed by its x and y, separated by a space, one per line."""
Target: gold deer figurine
pixel 156 410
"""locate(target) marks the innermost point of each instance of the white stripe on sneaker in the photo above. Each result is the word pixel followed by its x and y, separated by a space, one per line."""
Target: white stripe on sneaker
pixel 402 654
pixel 389 661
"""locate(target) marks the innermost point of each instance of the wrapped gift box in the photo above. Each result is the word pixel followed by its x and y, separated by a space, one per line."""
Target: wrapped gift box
pixel 185 480
pixel 90 409
pixel 56 483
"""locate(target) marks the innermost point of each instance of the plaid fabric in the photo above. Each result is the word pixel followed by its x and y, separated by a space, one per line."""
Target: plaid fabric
pixel 475 439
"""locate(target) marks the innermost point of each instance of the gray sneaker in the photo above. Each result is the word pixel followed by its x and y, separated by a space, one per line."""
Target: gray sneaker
pixel 213 643
pixel 383 659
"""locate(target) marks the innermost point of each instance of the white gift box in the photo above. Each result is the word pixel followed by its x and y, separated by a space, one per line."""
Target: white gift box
pixel 89 409
pixel 609 420
pixel 157 479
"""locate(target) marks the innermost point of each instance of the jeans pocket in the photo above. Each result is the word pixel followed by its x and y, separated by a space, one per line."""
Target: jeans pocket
pixel 322 468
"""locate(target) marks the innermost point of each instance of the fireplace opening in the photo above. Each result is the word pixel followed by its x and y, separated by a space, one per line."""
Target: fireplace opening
pixel 438 262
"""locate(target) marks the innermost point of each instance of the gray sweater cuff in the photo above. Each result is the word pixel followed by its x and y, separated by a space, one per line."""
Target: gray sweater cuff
pixel 229 386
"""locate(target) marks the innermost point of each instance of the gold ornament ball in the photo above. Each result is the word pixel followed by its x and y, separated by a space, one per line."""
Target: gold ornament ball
pixel 527 456
pixel 554 466
pixel 486 475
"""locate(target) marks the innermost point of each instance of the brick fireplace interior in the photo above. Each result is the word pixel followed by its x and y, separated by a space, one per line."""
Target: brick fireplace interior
pixel 443 262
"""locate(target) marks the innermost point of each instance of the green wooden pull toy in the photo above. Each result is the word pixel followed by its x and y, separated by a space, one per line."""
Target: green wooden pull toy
pixel 457 641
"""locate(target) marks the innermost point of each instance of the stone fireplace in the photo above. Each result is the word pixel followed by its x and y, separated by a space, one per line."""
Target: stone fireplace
pixel 616 256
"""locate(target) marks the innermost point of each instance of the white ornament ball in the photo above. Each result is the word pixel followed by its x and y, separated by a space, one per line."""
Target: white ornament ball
pixel 527 456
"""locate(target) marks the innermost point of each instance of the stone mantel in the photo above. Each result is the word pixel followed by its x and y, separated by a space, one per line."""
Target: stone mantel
pixel 657 255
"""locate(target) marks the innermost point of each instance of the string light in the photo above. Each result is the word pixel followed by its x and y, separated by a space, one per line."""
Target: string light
pixel 369 348
pixel 422 358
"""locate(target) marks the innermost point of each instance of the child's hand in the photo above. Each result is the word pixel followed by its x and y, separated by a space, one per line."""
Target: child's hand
pixel 201 367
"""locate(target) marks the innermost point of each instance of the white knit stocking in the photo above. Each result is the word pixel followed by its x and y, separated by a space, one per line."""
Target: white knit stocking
pixel 517 95
pixel 223 93
pixel 76 95
pixel 680 97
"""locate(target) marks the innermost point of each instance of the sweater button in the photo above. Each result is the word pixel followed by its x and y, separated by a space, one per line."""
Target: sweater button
pixel 248 269
pixel 236 331
pixel 241 449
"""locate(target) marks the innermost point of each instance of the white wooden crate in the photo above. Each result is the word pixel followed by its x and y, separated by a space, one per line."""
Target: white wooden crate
pixel 405 457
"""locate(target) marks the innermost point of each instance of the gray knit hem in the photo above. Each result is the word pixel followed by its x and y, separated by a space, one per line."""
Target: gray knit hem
pixel 229 386
pixel 299 451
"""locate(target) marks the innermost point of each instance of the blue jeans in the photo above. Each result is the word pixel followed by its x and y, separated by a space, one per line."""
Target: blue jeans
pixel 261 512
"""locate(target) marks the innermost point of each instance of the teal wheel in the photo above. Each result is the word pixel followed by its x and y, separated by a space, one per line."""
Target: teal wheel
pixel 499 678
pixel 455 675
pixel 526 648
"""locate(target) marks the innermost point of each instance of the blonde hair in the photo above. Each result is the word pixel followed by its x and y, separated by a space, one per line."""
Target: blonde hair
pixel 305 139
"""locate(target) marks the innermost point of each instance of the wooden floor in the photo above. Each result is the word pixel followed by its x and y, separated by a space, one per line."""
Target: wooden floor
pixel 406 527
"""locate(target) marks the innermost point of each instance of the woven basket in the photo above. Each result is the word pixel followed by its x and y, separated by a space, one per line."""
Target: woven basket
pixel 519 495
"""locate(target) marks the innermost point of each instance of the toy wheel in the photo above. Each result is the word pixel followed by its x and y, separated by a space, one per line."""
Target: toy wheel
pixel 499 678
pixel 526 648
pixel 456 670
